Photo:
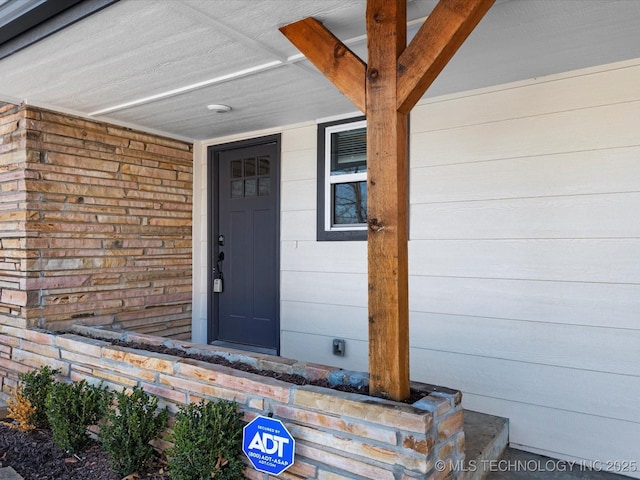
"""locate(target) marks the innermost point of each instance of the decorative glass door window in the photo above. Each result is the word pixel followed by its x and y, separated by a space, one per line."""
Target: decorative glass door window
pixel 250 177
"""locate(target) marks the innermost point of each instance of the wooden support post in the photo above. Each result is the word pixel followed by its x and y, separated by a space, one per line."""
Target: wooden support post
pixel 387 203
pixel 386 90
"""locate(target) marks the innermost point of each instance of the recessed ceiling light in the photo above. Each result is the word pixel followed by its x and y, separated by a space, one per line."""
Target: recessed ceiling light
pixel 218 108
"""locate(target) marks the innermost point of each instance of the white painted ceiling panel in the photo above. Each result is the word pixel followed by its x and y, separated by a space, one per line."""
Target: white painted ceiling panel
pixel 255 109
pixel 168 59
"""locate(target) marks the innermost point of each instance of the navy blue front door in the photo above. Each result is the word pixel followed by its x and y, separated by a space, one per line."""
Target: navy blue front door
pixel 245 247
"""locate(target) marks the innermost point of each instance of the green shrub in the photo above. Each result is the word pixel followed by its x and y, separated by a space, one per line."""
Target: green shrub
pixel 71 408
pixel 207 440
pixel 35 386
pixel 127 430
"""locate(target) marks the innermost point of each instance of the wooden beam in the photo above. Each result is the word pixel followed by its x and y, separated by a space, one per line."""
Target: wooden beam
pixel 439 38
pixel 334 59
pixel 387 184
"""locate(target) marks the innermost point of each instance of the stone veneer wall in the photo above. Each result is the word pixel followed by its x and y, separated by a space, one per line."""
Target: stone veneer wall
pixel 95 224
pixel 339 435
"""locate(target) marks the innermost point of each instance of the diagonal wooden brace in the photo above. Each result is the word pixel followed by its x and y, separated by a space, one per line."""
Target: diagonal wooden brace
pixel 442 33
pixel 332 57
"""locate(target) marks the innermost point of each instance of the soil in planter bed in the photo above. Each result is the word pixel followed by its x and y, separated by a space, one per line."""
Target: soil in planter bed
pixel 295 379
pixel 34 456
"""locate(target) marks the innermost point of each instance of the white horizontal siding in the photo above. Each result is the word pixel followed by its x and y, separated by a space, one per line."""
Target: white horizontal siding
pixel 568 217
pixel 298 225
pixel 298 195
pixel 597 349
pixel 341 289
pixel 524 259
pixel 571 131
pixel 342 257
pixel 321 319
pixel 576 260
pixel 527 98
pixel 615 170
pixel 605 305
pixel 543 385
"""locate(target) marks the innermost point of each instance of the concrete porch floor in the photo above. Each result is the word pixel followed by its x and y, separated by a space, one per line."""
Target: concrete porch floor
pixel 489 457
pixel 544 468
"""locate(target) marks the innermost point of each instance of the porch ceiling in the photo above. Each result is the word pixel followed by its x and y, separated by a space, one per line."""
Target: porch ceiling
pixel 156 65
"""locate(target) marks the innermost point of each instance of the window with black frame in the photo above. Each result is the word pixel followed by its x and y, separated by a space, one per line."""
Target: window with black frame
pixel 342 180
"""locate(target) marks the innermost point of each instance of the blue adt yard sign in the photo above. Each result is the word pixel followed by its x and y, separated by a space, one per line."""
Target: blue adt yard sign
pixel 268 445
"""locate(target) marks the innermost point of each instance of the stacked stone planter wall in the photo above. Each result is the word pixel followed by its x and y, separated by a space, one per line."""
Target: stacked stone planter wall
pixel 338 435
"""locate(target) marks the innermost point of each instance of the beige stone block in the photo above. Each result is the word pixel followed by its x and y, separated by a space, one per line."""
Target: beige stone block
pixel 439 405
pixel 346 462
pixel 303 469
pixel 446 449
pixel 324 475
pixel 379 411
pixel 14 366
pixel 419 443
pixel 82 162
pixel 100 333
pixel 39 337
pixel 10 331
pixel 451 425
pixel 47 283
pixel 251 473
pixel 142 338
pixel 170 152
pixel 203 389
pixel 77 376
pixel 115 378
pixel 130 371
pixel 157 362
pixel 82 359
pixel 288 475
pixel 256 403
pixel 87 346
pixel 174 396
pixel 155 173
pixel 35 360
pixel 9 341
pixel 235 379
pixel 360 448
pixel 338 424
pixel 81 369
pixel 461 442
pixel 41 349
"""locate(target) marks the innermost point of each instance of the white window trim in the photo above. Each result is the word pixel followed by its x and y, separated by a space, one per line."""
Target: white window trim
pixel 330 180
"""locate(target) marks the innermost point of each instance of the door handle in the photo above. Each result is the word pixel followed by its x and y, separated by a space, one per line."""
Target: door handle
pixel 217 282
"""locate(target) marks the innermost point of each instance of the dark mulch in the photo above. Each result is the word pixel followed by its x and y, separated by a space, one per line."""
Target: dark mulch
pixel 34 456
pixel 285 377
